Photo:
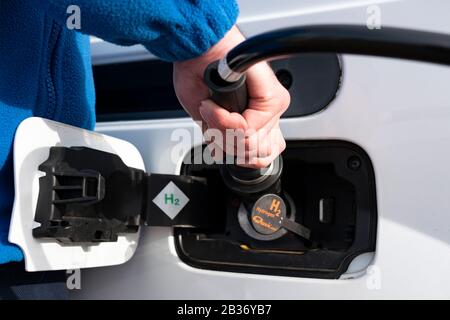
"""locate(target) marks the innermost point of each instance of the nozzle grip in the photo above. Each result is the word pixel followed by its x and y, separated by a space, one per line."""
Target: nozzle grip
pixel 231 96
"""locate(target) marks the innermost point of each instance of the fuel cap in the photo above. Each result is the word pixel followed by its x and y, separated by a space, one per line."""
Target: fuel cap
pixel 268 214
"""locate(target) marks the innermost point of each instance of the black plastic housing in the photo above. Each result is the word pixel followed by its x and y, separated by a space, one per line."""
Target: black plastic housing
pixel 75 205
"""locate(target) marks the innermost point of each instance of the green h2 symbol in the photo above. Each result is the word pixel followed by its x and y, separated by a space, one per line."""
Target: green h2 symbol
pixel 170 199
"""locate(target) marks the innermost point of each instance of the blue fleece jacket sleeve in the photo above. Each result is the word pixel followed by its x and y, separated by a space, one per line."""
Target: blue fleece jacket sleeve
pixel 171 29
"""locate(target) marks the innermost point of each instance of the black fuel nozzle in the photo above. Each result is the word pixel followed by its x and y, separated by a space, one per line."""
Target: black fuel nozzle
pixel 231 93
pixel 255 187
pixel 252 183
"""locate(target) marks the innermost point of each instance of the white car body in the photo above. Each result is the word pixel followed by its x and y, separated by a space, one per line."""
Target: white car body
pixel 397 111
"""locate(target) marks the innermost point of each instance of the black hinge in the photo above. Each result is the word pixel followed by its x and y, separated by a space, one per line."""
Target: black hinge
pixel 89 196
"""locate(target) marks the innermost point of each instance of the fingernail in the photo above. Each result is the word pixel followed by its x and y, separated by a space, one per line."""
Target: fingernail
pixel 203 112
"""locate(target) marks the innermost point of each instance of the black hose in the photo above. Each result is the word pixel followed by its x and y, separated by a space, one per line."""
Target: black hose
pixel 351 39
pixel 386 42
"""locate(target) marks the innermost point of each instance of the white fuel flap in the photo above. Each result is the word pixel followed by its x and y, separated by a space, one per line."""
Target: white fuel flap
pixel 33 140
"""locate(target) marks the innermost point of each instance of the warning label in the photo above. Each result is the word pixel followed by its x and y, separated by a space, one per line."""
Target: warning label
pixel 268 214
pixel 171 200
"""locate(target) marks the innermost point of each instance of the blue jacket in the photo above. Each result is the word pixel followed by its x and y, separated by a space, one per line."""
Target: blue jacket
pixel 45 68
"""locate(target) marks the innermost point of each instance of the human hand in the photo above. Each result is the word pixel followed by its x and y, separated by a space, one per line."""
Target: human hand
pixel 268 100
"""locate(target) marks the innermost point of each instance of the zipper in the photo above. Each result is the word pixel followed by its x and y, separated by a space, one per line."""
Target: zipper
pixel 50 71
